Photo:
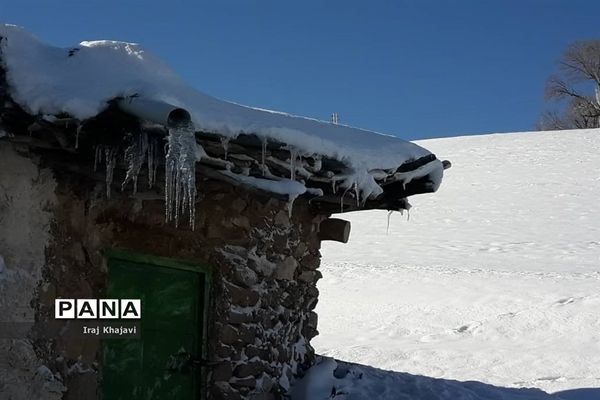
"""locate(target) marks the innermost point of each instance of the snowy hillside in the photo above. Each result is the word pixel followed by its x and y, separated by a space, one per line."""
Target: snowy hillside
pixel 495 278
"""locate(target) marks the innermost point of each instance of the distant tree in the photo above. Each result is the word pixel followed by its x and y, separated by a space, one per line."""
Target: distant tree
pixel 576 88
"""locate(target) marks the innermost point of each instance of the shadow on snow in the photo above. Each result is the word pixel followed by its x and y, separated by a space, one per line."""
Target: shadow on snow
pixel 338 380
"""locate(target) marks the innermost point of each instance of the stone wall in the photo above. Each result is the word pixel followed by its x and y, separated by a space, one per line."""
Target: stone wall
pixel 26 200
pixel 264 281
pixel 270 292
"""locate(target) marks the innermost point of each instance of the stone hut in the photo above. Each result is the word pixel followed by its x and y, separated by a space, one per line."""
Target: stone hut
pixel 118 181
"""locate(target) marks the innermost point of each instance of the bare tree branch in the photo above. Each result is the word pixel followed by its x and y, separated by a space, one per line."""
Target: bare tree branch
pixel 579 68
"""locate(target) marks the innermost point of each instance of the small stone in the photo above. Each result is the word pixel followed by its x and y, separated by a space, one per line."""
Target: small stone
pixel 282 219
pixel 271 204
pixel 222 372
pixel 246 334
pixel 224 391
pixel 312 291
pixel 249 382
pixel 241 296
pixel 228 334
pixel 311 261
pixel 308 276
pixel 239 251
pixel 313 319
pixel 241 222
pixel 253 368
pixel 237 355
pixel 310 303
pixel 283 354
pixel 269 321
pixel 310 332
pixel 238 205
pixel 300 250
pixel 288 300
pixel 244 276
pixel 255 351
pixel 261 265
pixel 284 316
pixel 265 383
pixel 238 318
pixel 281 244
pixel 274 354
pixel 286 269
pixel 224 351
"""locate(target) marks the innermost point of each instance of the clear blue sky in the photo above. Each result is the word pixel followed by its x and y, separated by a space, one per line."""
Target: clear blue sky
pixel 416 69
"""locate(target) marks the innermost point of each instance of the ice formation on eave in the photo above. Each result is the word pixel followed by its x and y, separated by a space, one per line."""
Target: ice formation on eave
pixel 180 174
pixel 80 80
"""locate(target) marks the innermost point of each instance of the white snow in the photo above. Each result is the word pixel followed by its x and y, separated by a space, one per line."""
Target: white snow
pixel 495 278
pixel 283 187
pixel 80 80
pixel 330 379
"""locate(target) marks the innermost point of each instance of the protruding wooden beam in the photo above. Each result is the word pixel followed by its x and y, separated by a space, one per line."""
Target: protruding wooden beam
pixel 335 229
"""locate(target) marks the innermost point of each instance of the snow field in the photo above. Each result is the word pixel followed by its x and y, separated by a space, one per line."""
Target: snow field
pixel 494 278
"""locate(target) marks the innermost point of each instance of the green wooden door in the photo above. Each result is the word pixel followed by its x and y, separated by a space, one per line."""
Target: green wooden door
pixel 165 362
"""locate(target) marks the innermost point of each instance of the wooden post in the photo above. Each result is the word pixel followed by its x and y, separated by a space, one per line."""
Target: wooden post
pixel 335 229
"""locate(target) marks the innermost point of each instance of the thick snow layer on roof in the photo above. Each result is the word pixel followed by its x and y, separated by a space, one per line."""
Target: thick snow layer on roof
pixel 80 80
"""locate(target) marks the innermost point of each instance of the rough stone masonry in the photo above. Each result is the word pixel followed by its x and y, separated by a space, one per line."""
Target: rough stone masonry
pixel 54 228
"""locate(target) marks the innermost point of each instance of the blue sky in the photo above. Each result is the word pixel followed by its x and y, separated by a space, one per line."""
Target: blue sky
pixel 416 69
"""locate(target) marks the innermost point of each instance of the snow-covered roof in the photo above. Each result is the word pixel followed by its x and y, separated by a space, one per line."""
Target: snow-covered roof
pixel 81 81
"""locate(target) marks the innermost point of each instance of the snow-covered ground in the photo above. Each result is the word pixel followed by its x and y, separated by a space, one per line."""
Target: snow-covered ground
pixel 495 278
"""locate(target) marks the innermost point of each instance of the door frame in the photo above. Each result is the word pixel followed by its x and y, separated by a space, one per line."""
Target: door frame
pixel 174 263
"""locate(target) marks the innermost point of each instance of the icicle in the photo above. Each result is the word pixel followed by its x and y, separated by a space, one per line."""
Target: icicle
pixel 263 156
pixel 110 155
pixel 333 186
pixel 180 174
pixel 135 154
pixel 342 200
pixel 152 160
pixel 290 203
pixel 389 216
pixel 97 157
pixel 357 194
pixel 293 157
pixel 77 135
pixel 225 144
